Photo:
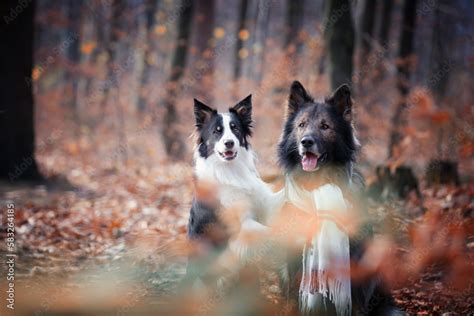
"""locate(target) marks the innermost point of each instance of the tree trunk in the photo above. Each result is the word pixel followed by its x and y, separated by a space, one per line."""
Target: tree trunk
pixel 171 135
pixel 442 170
pixel 150 7
pixel 202 74
pixel 441 61
pixel 399 119
pixel 294 23
pixel 261 30
pixel 111 87
pixel 385 23
pixel 366 23
pixel 73 51
pixel 240 40
pixel 249 45
pixel 339 41
pixel 111 46
pixel 98 16
pixel 17 136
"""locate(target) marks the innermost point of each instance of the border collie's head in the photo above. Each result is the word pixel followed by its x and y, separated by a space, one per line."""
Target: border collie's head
pixel 223 134
pixel 317 133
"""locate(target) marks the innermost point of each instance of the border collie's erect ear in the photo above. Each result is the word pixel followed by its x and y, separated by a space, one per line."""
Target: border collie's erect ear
pixel 243 109
pixel 341 99
pixel 298 97
pixel 202 113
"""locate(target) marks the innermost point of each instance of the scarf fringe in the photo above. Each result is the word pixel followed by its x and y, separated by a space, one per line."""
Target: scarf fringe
pixel 317 278
pixel 333 289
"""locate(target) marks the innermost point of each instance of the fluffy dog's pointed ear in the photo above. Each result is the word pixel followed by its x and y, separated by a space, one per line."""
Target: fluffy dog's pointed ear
pixel 298 97
pixel 342 101
pixel 202 113
pixel 243 109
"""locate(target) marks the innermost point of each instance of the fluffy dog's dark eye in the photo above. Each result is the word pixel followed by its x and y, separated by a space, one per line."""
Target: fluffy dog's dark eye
pixel 218 129
pixel 324 126
pixel 232 125
pixel 301 124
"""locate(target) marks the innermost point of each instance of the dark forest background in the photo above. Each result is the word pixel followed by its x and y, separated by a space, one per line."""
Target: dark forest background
pixel 96 121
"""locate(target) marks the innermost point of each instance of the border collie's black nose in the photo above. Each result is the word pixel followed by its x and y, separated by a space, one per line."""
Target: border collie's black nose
pixel 307 141
pixel 229 144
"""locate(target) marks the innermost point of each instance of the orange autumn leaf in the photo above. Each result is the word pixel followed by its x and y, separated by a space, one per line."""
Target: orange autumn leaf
pixel 441 117
pixel 36 73
pixel 467 150
pixel 72 148
pixel 422 100
pixel 243 53
pixel 219 32
pixel 116 223
pixel 88 47
pixel 160 29
pixel 244 34
pixel 410 131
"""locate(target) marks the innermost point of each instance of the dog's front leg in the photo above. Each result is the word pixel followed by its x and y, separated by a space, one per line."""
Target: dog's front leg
pixel 249 237
pixel 290 278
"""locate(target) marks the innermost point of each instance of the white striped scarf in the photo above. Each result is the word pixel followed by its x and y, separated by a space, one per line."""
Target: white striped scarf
pixel 326 262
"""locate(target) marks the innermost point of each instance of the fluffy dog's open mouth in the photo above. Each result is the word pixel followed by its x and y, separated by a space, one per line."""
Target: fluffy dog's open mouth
pixel 311 162
pixel 228 155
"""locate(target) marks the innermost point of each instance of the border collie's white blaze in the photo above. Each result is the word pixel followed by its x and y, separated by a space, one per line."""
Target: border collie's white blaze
pixel 227 146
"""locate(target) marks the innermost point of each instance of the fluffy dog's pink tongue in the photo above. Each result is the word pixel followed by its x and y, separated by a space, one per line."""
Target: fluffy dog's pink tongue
pixel 309 162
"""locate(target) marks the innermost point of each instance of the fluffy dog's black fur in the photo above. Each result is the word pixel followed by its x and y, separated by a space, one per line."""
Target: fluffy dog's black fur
pixel 323 131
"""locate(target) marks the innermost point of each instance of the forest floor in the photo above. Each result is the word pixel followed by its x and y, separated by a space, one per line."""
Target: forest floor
pixel 122 229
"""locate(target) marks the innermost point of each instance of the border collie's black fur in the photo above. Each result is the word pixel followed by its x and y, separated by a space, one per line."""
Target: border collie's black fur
pixel 318 146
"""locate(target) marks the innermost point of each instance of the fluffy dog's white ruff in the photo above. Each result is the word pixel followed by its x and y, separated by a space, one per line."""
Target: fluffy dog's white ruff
pixel 326 263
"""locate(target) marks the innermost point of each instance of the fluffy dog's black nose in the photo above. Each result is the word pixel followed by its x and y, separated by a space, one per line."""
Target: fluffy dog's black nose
pixel 307 141
pixel 229 144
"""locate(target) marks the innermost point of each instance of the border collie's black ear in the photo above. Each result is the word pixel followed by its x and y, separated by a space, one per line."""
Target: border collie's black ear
pixel 202 113
pixel 243 109
pixel 341 99
pixel 298 97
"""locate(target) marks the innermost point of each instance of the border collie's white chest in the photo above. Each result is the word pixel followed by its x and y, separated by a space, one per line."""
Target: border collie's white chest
pixel 238 183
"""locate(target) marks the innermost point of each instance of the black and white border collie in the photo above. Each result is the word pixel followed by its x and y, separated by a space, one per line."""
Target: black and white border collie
pixel 224 159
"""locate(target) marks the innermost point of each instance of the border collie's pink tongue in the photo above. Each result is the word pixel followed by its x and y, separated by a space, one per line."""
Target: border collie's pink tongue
pixel 309 162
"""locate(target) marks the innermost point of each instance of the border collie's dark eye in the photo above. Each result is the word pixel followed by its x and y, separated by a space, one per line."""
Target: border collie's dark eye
pixel 324 126
pixel 301 124
pixel 232 125
pixel 218 129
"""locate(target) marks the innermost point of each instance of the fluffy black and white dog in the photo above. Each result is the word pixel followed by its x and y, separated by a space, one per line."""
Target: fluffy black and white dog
pixel 224 159
pixel 317 151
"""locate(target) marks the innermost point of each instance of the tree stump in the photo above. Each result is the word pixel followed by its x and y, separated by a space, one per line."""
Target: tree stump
pixel 406 182
pixel 382 186
pixel 393 185
pixel 442 172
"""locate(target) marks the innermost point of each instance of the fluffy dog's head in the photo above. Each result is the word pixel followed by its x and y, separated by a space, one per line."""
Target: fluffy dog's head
pixel 317 134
